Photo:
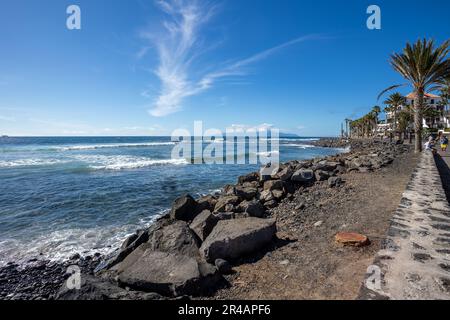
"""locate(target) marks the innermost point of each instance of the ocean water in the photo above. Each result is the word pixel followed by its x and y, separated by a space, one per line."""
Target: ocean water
pixel 61 195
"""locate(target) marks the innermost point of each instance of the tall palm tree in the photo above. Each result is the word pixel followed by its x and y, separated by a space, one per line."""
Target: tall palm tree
pixel 348 127
pixel 445 96
pixel 404 119
pixel 395 102
pixel 445 91
pixel 356 127
pixel 425 66
pixel 376 110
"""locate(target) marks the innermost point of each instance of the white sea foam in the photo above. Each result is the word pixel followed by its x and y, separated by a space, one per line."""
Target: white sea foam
pixel 301 146
pixel 140 164
pixel 345 150
pixel 267 154
pixel 30 162
pixel 121 162
pixel 60 245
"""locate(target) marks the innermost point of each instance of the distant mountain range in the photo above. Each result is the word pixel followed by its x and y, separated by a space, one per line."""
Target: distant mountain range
pixel 288 135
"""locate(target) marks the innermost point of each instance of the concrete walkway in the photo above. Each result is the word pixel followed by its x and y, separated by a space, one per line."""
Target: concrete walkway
pixel 443 165
pixel 414 262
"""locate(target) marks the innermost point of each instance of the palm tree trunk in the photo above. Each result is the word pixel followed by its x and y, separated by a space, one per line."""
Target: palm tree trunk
pixel 418 116
pixel 395 122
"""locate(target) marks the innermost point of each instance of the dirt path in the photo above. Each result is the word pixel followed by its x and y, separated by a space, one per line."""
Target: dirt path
pixel 307 264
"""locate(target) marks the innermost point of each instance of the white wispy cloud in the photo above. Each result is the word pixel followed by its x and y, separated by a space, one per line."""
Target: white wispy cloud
pixel 179 45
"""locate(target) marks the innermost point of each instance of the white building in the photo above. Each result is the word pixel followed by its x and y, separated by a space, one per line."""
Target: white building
pixel 440 121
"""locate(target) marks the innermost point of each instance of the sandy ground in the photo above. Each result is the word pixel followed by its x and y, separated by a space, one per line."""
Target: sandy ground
pixel 306 263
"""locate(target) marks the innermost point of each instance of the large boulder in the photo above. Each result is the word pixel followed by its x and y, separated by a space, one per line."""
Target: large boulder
pixel 266 196
pixel 270 204
pixel 223 266
pixel 184 208
pixel 93 288
pixel 246 193
pixel 232 239
pixel 226 203
pixel 175 238
pixel 203 224
pixel 224 215
pixel 252 208
pixel 354 164
pixel 278 194
pixel 326 165
pixel 169 274
pixel 254 176
pixel 322 175
pixel 285 174
pixel 334 182
pixel 253 184
pixel 229 190
pixel 130 244
pixel 289 187
pixel 273 185
pixel 207 202
pixel 303 176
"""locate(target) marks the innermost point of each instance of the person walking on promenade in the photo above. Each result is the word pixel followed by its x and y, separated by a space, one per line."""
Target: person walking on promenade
pixel 429 145
pixel 444 143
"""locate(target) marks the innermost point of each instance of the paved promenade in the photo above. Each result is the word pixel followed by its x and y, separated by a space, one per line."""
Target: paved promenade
pixel 415 260
pixel 443 164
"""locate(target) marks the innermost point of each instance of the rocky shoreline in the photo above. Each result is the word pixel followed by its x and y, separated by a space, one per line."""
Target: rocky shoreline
pixel 189 251
pixel 40 279
pixel 331 143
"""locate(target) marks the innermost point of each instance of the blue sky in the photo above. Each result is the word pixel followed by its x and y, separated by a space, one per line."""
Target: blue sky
pixel 144 67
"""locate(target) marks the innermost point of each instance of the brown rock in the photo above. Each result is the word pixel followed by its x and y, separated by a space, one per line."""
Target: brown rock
pixel 231 239
pixel 273 185
pixel 254 176
pixel 184 208
pixel 352 239
pixel 207 202
pixel 203 224
pixel 225 202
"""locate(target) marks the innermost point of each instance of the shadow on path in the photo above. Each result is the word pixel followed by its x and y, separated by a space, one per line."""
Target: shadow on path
pixel 443 165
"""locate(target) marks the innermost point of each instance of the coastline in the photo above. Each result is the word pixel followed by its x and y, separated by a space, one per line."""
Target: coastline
pixel 98 191
pixel 307 263
pixel 26 290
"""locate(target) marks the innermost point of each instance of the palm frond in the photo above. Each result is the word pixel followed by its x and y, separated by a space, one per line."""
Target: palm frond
pixel 389 89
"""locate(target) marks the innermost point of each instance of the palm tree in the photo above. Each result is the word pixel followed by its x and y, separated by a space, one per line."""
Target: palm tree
pixel 395 102
pixel 376 110
pixel 348 127
pixel 445 95
pixel 425 66
pixel 404 119
pixel 445 91
pixel 356 128
pixel 431 114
